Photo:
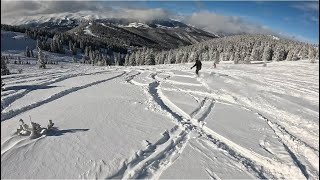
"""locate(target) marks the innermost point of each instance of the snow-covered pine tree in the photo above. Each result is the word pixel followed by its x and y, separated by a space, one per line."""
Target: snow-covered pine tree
pixel 74 49
pixel 303 53
pixel 70 45
pixel 211 55
pixel 132 59
pixel 74 59
pixel 192 57
pixel 312 54
pixel 205 56
pixel 91 56
pixel 247 59
pixel 231 58
pixel 103 60
pixel 4 68
pixel 255 54
pixel 126 60
pixel 236 57
pixel 185 57
pixel 149 58
pixel 163 57
pixel 222 56
pixel 81 47
pixel 157 57
pixel 278 54
pixel 143 54
pixel 27 53
pixel 290 55
pixel 267 53
pixel 168 59
pixel 172 58
pixel 216 57
pixel 86 51
pixel 41 59
pixel 179 57
pixel 138 58
pixel 2 84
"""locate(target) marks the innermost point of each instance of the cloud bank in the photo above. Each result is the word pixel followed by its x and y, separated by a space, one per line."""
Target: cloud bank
pixel 13 12
pixel 221 24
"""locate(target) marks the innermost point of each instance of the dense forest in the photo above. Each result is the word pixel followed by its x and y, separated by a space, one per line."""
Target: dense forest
pixel 239 49
pixel 103 50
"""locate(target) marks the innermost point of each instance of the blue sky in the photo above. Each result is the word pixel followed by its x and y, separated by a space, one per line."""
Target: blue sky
pixel 299 19
pixel 292 18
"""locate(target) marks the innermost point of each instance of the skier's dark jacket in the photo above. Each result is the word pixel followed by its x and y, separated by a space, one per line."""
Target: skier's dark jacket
pixel 198 64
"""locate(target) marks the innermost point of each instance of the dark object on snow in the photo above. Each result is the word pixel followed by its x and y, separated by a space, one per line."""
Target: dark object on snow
pixel 34 131
pixel 50 124
pixel 214 65
pixel 198 65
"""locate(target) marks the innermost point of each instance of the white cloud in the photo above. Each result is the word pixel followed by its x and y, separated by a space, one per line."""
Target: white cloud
pixel 13 11
pixel 222 24
pixel 307 6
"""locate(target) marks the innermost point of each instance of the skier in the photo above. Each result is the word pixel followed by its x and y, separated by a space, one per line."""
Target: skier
pixel 198 65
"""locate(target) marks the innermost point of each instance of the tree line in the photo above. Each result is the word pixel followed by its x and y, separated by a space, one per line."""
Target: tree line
pixel 239 49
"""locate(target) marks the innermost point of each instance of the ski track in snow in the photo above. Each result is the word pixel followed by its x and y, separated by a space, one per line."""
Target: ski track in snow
pixel 260 167
pixel 7 100
pixel 12 113
pixel 151 162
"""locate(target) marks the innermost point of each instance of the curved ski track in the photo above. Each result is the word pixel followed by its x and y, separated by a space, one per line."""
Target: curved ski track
pixel 152 161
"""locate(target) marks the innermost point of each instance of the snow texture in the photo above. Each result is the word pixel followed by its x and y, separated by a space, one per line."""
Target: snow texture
pixel 236 121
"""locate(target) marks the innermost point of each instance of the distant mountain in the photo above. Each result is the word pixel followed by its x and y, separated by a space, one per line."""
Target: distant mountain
pixel 164 34
pixel 158 33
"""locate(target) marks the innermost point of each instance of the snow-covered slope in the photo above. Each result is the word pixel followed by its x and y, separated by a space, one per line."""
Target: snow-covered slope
pixel 57 18
pixel 232 122
pixel 15 42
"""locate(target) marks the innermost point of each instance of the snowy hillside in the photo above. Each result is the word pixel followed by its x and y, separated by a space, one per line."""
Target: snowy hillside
pixel 13 42
pixel 233 122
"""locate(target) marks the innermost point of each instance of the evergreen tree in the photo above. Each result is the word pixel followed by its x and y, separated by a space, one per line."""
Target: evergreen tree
pixel 74 59
pixel 4 69
pixel 278 54
pixel 236 57
pixel 247 59
pixel 312 54
pixel 267 54
pixel 41 60
pixel 70 45
pixel 126 60
pixel 290 55
pixel 86 51
pixel 179 57
pixel 27 53
pixel 150 58
pixel 255 54
pixel 2 84
pixel 303 52
pixel 231 58
pixel 74 49
pixel 185 57
pixel 216 57
pixel 132 59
